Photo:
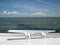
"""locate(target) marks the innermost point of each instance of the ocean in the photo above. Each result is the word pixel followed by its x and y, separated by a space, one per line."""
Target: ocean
pixel 32 23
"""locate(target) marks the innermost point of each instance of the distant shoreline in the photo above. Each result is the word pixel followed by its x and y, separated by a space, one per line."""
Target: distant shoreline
pixel 29 17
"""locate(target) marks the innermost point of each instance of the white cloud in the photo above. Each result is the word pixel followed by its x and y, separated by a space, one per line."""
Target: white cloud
pixel 35 14
pixel 10 13
pixel 4 12
pixel 39 14
pixel 50 4
pixel 25 14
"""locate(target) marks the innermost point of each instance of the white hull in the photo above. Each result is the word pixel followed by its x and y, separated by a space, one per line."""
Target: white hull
pixel 46 41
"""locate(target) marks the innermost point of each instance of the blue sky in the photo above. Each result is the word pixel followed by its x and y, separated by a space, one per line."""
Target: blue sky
pixel 29 8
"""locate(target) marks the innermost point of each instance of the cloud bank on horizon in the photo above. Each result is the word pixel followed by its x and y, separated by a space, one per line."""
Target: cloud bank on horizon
pixel 29 8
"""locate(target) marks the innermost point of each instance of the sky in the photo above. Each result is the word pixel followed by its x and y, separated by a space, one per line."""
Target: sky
pixel 29 8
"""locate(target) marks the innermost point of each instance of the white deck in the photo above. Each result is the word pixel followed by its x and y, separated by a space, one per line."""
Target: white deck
pixel 44 41
pixel 14 39
pixel 29 38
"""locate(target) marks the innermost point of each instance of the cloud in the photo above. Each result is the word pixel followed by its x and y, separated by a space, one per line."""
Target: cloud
pixel 35 14
pixel 10 13
pixel 50 4
pixel 24 14
pixel 39 14
pixel 4 12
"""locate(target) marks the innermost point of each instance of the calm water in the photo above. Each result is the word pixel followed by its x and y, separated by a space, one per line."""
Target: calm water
pixel 30 23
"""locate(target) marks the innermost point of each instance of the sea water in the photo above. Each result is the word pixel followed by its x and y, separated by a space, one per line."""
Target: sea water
pixel 31 23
